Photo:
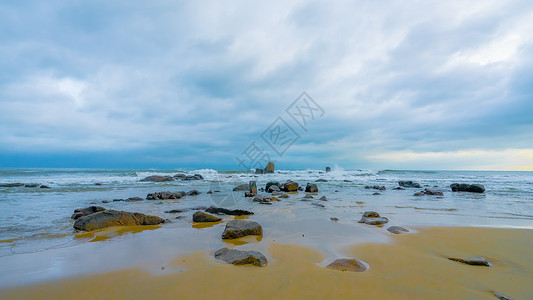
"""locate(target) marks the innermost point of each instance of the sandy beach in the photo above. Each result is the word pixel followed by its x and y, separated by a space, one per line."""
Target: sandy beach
pixel 412 266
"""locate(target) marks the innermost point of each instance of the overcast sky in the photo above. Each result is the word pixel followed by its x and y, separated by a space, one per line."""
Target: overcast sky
pixel 176 84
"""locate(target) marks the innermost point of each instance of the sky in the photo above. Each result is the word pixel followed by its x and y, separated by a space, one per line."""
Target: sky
pixel 200 84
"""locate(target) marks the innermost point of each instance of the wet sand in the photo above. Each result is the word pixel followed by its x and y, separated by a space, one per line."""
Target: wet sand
pixel 412 266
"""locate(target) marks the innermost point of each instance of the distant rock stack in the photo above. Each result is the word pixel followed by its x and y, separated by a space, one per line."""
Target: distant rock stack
pixel 328 169
pixel 268 169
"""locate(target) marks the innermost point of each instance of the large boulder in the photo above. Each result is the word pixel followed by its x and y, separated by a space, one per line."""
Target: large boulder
pixel 311 188
pixel 269 168
pixel 225 211
pixel 238 257
pixel 108 218
pixel 463 187
pixel 201 216
pixel 82 212
pixel 348 264
pixel 409 183
pixel 157 178
pixel 239 228
pixel 397 229
pixel 242 187
pixel 290 186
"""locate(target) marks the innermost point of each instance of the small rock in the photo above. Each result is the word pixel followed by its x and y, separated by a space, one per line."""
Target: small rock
pixel 328 169
pixel 311 188
pixel 399 188
pixel 501 296
pixel 273 188
pixel 157 178
pixel 193 193
pixel 174 211
pixel 376 193
pixel 397 229
pixel 105 201
pixel 238 257
pixel 376 221
pixel 474 261
pixel 418 194
pixel 463 187
pixel 180 176
pixel 348 264
pixel 31 185
pixel 290 186
pixel 433 192
pixel 225 211
pixel 117 200
pixel 239 228
pixel 209 192
pixel 321 180
pixel 334 219
pixel 11 184
pixel 323 198
pixel 269 168
pixel 346 180
pixel 201 216
pixel 98 183
pixel 409 184
pixel 134 199
pixel 318 205
pixel 308 196
pixel 241 187
pixel 44 186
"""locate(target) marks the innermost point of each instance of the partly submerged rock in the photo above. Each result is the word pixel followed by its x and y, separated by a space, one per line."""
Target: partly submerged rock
pixel 474 261
pixel 225 211
pixel 323 198
pixel 238 257
pixel 194 177
pixel 334 219
pixel 348 264
pixel 373 218
pixel 174 211
pixel 409 183
pixel 501 296
pixel 290 186
pixel 463 187
pixel 157 178
pixel 241 187
pixel 397 229
pixel 180 176
pixel 17 184
pixel 328 169
pixel 280 195
pixel 269 168
pixel 273 188
pixel 321 180
pixel 164 195
pixel 193 193
pixel 271 183
pixel 81 212
pixel 31 185
pixel 134 199
pixel 239 228
pixel 201 216
pixel 44 186
pixel 109 218
pixel 311 188
pixel 433 192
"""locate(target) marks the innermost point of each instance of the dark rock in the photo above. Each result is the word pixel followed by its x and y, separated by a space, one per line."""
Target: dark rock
pixel 280 195
pixel 241 187
pixel 248 194
pixel 174 211
pixel 259 171
pixel 44 186
pixel 308 196
pixel 109 218
pixel 180 176
pixel 105 201
pixel 31 185
pixel 201 216
pixel 164 196
pixel 209 192
pixel 311 188
pixel 269 168
pixel 433 192
pixel 398 188
pixel 376 193
pixel 409 184
pixel 239 228
pixel 321 180
pixel 318 204
pixel 193 193
pixel 273 188
pixel 347 264
pixel 474 261
pixel 397 229
pixel 252 187
pixel 346 180
pixel 81 212
pixel 117 200
pixel 501 296
pixel 334 219
pixel 271 183
pixel 419 194
pixel 225 211
pixel 328 169
pixel 323 198
pixel 300 188
pixel 134 199
pixel 11 184
pixel 463 187
pixel 290 186
pixel 98 183
pixel 157 178
pixel 238 257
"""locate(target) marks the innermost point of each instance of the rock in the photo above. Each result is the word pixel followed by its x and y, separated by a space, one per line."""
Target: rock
pixel 501 296
pixel 98 183
pixel 311 188
pixel 238 257
pixel 321 180
pixel 117 200
pixel 109 218
pixel 259 171
pixel 271 183
pixel 280 195
pixel 418 194
pixel 308 196
pixel 264 200
pixel 397 229
pixel 239 228
pixel 241 187
pixel 225 211
pixel 252 186
pixel 300 188
pixel 474 261
pixel 44 186
pixel 134 199
pixel 348 264
pixel 81 212
pixel 376 193
pixel 409 184
pixel 201 216
pixel 194 177
pixel 346 180
pixel 323 198
pixel 209 192
pixel 248 194
pixel 164 195
pixel 157 178
pixel 290 186
pixel 269 168
pixel 433 192
pixel 398 188
pixel 273 188
pixel 180 176
pixel 328 169
pixel 31 185
pixel 318 204
pixel 334 219
pixel 105 201
pixel 376 221
pixel 193 193
pixel 174 211
pixel 463 187
pixel 11 184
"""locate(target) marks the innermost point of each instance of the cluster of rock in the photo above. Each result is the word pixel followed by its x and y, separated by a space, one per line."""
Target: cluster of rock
pixel 429 193
pixel 28 185
pixel 375 187
pixel 96 217
pixel 267 170
pixel 169 195
pixel 180 176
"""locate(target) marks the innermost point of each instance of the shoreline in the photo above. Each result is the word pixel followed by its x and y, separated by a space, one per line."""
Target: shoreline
pixel 412 266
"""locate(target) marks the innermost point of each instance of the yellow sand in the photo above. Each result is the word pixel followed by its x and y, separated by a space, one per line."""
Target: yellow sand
pixel 415 266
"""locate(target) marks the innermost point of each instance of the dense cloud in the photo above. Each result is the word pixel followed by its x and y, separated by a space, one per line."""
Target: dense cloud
pixel 423 85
